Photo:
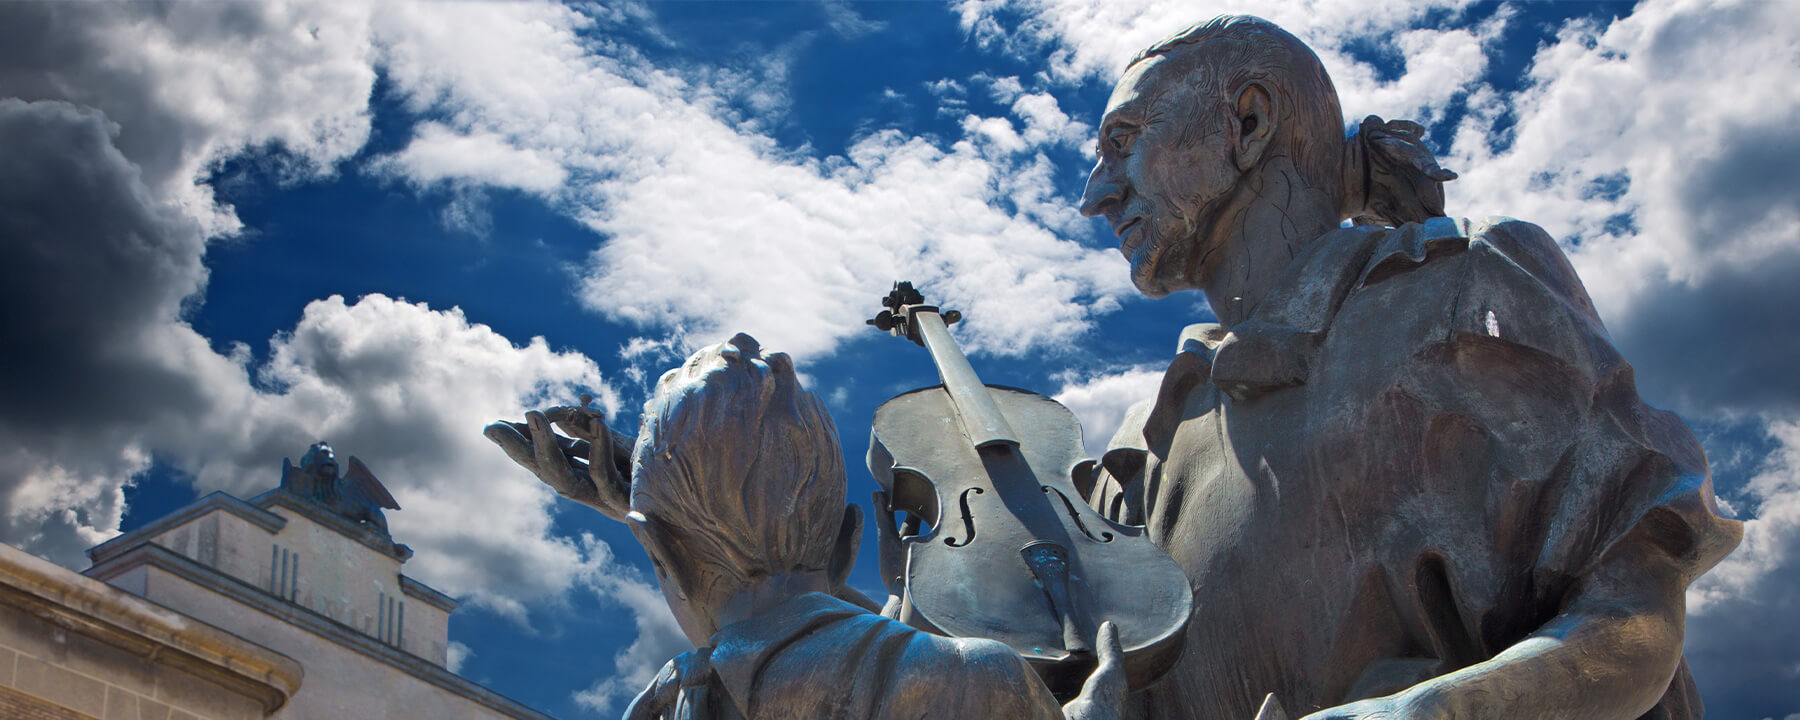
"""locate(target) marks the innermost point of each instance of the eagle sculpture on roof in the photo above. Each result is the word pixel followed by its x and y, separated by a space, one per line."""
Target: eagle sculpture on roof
pixel 355 494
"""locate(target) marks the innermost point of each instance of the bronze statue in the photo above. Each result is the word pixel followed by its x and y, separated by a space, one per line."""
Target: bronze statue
pixel 1406 472
pixel 356 495
pixel 998 473
pixel 736 490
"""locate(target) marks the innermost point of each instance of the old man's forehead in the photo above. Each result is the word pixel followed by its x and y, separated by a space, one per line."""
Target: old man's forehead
pixel 1149 81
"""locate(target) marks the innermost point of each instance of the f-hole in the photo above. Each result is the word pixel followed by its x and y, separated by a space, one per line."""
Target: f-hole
pixel 968 519
pixel 1075 515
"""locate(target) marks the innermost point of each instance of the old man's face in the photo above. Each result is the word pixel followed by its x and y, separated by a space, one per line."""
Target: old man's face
pixel 1163 171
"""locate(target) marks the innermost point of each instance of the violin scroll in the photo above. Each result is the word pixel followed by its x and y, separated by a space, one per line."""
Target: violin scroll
pixel 903 304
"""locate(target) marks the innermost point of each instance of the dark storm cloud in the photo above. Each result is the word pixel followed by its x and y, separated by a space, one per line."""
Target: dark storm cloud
pixel 1725 345
pixel 1742 649
pixel 1734 192
pixel 51 51
pixel 67 51
pixel 91 262
pixel 1741 632
pixel 108 115
pixel 92 267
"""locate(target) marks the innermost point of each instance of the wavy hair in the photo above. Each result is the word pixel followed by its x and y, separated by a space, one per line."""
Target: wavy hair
pixel 740 464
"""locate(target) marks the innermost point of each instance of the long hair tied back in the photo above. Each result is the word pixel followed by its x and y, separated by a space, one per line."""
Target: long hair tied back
pixel 1390 177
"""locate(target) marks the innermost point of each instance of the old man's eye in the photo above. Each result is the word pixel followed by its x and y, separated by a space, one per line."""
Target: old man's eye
pixel 1120 139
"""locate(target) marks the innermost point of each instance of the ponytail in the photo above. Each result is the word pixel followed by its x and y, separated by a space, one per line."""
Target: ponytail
pixel 1390 177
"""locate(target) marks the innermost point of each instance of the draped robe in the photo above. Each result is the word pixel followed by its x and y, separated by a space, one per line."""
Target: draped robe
pixel 1402 463
pixel 818 657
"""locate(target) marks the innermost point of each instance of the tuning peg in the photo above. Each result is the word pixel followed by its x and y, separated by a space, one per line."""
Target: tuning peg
pixel 951 316
pixel 883 322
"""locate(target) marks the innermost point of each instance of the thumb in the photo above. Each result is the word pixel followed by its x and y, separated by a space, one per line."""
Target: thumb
pixel 1110 673
pixel 1105 689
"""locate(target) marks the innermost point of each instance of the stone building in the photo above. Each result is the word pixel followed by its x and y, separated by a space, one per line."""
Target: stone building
pixel 291 605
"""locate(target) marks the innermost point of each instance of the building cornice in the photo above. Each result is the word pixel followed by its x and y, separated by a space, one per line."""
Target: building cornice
pixel 181 566
pixel 119 619
pixel 322 515
pixel 215 500
pixel 427 594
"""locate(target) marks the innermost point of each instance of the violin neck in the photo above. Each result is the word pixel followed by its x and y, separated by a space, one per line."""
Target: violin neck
pixel 979 417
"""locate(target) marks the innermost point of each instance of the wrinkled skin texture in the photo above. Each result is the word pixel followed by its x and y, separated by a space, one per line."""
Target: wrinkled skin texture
pixel 1160 177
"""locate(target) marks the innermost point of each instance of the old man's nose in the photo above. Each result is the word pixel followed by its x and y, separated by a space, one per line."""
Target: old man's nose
pixel 1103 191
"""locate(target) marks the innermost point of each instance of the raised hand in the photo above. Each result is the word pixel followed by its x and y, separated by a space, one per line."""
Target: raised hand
pixel 585 467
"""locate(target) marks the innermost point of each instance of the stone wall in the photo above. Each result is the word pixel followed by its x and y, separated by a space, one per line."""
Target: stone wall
pixel 72 647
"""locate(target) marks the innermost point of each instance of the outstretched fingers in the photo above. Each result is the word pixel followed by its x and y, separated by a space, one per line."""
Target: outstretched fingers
pixel 611 490
pixel 507 436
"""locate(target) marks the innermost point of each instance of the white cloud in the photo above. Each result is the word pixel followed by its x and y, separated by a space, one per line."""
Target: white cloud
pixel 195 83
pixel 1095 38
pixel 407 389
pixel 659 638
pixel 1047 124
pixel 713 228
pixel 1625 119
pixel 110 215
pixel 440 155
pixel 1741 627
pixel 106 219
pixel 455 654
pixel 1100 401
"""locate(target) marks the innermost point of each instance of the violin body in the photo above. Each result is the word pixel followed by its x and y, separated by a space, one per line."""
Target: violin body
pixel 1013 551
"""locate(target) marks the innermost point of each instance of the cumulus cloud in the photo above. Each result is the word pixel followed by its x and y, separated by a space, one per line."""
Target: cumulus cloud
pixel 193 83
pixel 438 155
pixel 1741 628
pixel 1100 401
pixel 114 115
pixel 96 271
pixel 1660 149
pixel 1094 39
pixel 105 216
pixel 659 638
pixel 455 654
pixel 407 389
pixel 709 226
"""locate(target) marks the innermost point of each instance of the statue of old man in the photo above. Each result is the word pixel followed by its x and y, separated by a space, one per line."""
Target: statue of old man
pixel 1406 472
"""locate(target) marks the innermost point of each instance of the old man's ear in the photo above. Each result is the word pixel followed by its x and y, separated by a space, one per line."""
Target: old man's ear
pixel 1255 121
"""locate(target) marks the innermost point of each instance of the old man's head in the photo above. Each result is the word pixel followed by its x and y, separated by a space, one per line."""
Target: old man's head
pixel 1191 127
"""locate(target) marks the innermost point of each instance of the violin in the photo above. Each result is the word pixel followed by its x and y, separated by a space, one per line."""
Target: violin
pixel 1011 550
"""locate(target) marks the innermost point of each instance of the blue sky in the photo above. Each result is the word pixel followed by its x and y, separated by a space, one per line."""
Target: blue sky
pixel 234 229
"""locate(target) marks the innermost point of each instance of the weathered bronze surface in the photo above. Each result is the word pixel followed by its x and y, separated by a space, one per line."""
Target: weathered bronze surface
pixel 1406 472
pixel 1013 553
pixel 736 490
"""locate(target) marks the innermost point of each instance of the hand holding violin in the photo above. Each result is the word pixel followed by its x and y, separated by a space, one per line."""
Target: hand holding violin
pixel 1103 695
